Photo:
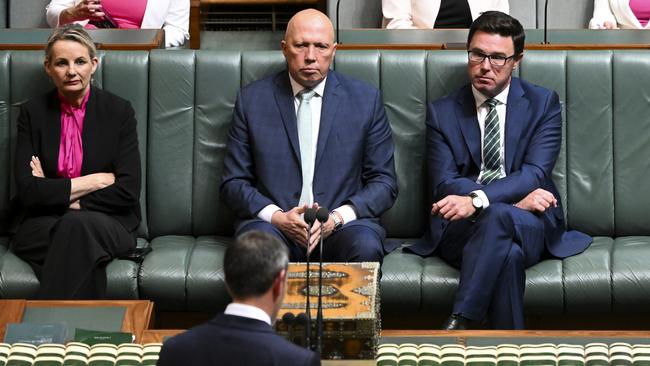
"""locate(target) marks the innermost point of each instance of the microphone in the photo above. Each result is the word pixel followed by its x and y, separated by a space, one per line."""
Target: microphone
pixel 301 319
pixel 289 319
pixel 338 40
pixel 310 217
pixel 322 215
pixel 545 22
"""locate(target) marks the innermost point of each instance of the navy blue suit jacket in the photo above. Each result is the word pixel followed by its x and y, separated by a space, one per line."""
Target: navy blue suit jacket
pixel 229 340
pixel 533 136
pixel 354 154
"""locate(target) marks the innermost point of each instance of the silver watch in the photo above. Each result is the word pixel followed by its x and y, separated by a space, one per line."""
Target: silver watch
pixel 337 221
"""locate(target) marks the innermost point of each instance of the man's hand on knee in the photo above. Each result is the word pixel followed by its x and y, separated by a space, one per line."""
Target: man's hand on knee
pixel 453 208
pixel 292 224
pixel 538 200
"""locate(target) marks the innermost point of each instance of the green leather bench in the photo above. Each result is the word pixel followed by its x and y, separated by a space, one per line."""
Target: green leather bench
pixel 184 100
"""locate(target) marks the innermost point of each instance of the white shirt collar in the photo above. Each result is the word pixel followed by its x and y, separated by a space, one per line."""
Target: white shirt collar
pixel 502 97
pixel 297 88
pixel 247 311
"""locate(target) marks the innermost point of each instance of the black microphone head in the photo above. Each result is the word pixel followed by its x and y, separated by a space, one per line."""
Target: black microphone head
pixel 301 319
pixel 310 216
pixel 322 215
pixel 288 318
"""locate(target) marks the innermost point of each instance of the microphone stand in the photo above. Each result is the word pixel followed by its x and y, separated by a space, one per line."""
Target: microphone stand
pixel 322 216
pixel 338 40
pixel 545 22
pixel 310 217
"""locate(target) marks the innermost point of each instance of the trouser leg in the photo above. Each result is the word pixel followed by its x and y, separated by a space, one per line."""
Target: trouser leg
pixel 491 269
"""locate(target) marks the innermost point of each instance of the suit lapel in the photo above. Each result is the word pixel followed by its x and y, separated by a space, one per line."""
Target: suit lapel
pixel 52 134
pixel 515 121
pixel 285 100
pixel 331 100
pixel 468 122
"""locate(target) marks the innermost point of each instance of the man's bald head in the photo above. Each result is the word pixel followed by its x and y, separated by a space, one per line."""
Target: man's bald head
pixel 309 47
pixel 309 17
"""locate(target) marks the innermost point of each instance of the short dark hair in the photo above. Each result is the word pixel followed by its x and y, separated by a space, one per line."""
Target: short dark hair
pixel 253 262
pixel 496 22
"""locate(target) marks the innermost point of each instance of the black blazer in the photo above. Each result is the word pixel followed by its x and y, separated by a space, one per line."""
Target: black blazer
pixel 229 340
pixel 110 144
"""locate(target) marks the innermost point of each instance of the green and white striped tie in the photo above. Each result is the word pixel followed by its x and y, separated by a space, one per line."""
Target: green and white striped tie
pixel 306 144
pixel 491 145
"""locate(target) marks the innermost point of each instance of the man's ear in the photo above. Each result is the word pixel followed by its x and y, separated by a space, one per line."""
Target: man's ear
pixel 279 284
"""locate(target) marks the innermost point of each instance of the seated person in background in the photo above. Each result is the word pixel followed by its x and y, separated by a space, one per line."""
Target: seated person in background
pixel 255 267
pixel 171 15
pixel 77 170
pixel 311 136
pixel 491 148
pixel 428 14
pixel 615 14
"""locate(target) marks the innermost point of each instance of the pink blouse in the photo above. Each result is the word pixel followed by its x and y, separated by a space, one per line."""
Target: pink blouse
pixel 641 9
pixel 127 14
pixel 71 147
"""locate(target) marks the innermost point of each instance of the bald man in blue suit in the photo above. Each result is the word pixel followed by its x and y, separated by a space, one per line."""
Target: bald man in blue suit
pixel 491 149
pixel 271 175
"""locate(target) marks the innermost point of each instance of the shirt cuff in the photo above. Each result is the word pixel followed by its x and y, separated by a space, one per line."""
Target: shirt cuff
pixel 347 213
pixel 267 212
pixel 483 197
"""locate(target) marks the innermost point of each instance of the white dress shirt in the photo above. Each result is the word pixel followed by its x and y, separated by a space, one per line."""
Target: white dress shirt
pixel 482 110
pixel 248 311
pixel 316 103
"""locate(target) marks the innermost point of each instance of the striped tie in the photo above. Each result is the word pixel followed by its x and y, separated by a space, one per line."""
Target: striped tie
pixel 306 145
pixel 491 145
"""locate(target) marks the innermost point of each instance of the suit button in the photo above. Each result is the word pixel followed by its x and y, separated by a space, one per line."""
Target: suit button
pixel 296 195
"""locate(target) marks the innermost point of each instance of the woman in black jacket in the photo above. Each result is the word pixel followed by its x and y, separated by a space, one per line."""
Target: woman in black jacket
pixel 77 170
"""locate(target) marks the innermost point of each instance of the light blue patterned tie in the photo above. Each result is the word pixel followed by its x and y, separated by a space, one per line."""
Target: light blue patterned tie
pixel 306 146
pixel 491 145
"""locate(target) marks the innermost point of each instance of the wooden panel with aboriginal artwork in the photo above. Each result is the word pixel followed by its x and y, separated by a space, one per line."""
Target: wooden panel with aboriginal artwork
pixel 350 303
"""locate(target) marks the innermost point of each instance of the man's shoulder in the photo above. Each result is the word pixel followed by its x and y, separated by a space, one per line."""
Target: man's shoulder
pixel 253 333
pixel 267 82
pixel 351 83
pixel 453 99
pixel 530 89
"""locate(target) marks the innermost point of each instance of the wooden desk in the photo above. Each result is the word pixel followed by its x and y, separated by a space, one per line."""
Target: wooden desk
pixel 105 39
pixel 137 317
pixel 158 335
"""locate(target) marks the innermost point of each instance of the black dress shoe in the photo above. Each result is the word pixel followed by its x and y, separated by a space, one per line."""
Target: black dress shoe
pixel 457 322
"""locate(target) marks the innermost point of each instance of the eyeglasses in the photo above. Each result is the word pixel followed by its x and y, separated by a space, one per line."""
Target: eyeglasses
pixel 495 60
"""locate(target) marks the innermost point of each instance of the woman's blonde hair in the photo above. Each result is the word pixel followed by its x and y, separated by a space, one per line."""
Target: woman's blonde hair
pixel 70 32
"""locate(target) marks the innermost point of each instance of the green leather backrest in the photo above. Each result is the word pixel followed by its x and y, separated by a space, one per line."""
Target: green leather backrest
pixel 191 99
pixel 184 100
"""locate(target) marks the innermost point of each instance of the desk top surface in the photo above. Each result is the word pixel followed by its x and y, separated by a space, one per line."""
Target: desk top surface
pixel 125 39
pixel 351 37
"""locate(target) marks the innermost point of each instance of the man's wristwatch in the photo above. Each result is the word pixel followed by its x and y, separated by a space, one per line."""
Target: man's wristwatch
pixel 477 202
pixel 337 220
